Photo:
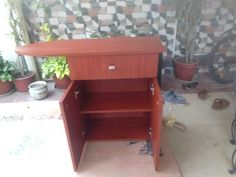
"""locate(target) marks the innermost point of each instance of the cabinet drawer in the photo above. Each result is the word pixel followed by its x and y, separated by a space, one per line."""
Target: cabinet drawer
pixel 113 67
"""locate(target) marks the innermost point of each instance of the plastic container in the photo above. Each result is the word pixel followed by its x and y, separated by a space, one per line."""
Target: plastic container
pixel 38 90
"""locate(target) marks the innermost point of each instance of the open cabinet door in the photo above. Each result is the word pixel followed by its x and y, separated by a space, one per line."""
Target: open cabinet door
pixel 156 121
pixel 73 121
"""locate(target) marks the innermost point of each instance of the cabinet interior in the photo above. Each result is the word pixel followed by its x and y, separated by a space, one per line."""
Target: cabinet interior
pixel 116 109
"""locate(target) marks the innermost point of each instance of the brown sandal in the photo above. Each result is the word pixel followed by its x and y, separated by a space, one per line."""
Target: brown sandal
pixel 220 103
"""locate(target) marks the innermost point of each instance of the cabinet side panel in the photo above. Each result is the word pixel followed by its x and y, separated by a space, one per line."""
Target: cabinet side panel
pixel 73 122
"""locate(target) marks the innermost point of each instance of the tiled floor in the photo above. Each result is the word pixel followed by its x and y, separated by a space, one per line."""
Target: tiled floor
pixel 204 82
pixel 202 150
pixel 33 143
pixel 118 159
pixel 54 94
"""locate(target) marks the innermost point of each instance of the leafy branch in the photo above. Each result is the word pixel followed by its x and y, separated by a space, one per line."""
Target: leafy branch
pixel 53 66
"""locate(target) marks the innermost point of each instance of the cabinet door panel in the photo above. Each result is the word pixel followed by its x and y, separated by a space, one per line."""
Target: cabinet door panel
pixel 156 122
pixel 73 122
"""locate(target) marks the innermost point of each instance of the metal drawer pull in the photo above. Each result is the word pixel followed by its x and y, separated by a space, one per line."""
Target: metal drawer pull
pixel 111 67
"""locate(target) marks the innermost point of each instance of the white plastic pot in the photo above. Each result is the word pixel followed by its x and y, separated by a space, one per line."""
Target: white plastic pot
pixel 38 90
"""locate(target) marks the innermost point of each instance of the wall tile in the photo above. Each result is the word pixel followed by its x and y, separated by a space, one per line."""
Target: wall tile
pixel 74 19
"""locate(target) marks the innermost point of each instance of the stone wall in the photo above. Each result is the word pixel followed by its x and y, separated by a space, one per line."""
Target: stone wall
pixel 74 19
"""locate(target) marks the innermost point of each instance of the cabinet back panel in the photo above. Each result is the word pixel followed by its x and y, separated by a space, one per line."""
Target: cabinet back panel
pixel 119 114
pixel 116 85
pixel 118 128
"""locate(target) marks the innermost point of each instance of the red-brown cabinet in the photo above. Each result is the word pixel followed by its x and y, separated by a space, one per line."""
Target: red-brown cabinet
pixel 114 93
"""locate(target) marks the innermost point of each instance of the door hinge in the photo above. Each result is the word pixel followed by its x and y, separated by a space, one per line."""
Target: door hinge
pixel 150 131
pixel 152 89
pixel 76 94
pixel 83 133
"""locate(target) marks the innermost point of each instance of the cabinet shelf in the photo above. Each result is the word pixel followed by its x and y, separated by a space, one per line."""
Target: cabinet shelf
pixel 116 102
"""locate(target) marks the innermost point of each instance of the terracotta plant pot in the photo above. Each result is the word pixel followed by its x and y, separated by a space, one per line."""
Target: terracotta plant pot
pixel 21 83
pixel 185 71
pixel 6 87
pixel 61 83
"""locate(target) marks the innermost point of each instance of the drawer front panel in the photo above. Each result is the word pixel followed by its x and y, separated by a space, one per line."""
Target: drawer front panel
pixel 113 67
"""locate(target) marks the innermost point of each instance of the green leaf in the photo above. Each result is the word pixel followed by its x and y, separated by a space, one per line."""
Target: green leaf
pixel 57 75
pixel 9 77
pixel 2 77
pixel 6 70
pixel 53 65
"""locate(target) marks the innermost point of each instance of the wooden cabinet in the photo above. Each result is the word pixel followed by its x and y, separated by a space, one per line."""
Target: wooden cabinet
pixel 114 93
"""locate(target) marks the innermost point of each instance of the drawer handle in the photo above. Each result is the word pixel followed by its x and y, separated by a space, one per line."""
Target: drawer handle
pixel 111 67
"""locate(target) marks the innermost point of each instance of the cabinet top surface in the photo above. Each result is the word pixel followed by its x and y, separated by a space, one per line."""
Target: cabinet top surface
pixel 106 46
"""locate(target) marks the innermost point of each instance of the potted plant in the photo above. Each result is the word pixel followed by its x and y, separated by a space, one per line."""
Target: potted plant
pixel 54 67
pixel 188 13
pixel 58 69
pixel 23 77
pixel 6 76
